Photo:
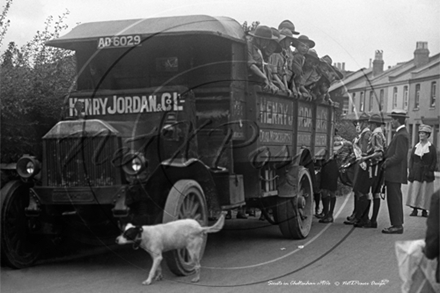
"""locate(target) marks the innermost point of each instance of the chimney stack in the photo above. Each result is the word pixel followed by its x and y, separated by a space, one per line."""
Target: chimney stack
pixel 378 63
pixel 421 54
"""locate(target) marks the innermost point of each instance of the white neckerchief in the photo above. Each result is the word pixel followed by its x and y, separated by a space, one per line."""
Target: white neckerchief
pixel 422 149
pixel 400 127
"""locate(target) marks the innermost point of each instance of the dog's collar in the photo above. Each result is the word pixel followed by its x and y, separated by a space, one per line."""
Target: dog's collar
pixel 138 239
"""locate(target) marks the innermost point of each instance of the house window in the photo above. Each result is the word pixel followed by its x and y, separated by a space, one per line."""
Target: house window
pixel 433 94
pixel 405 97
pixel 370 102
pixel 417 97
pixel 395 97
pixel 381 100
pixel 362 103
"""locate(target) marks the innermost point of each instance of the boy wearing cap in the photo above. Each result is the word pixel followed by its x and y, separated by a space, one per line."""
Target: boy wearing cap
pixel 310 74
pixel 395 173
pixel 257 43
pixel 284 61
pixel 374 158
pixel 302 45
pixel 361 184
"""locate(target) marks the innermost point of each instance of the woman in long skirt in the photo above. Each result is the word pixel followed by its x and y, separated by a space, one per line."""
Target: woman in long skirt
pixel 423 162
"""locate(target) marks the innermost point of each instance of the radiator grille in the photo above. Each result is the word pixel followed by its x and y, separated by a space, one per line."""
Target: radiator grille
pixel 80 161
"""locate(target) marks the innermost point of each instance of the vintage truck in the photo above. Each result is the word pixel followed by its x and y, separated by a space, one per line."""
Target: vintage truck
pixel 163 124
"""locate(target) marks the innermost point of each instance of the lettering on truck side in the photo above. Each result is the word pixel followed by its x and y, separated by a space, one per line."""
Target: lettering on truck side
pixel 128 104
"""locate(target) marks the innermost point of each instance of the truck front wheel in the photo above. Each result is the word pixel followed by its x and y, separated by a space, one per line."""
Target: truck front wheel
pixel 19 248
pixel 185 200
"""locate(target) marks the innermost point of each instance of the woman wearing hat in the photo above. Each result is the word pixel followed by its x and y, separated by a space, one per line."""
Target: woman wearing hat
pixel 422 165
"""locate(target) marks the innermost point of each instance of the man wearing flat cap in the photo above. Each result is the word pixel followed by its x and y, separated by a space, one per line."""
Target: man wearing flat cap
pixel 395 171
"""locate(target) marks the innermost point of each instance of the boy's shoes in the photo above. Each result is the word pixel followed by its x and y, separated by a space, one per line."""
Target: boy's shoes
pixel 320 216
pixel 351 218
pixel 393 230
pixel 361 224
pixel 326 220
pixel 424 213
pixel 414 213
pixel 350 222
pixel 371 225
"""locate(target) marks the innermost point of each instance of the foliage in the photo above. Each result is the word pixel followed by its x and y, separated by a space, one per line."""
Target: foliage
pixel 4 23
pixel 33 82
pixel 250 28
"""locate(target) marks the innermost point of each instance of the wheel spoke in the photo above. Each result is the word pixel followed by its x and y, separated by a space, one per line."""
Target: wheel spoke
pixel 194 208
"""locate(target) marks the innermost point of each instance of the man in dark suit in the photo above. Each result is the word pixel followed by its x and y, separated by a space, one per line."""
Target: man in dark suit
pixel 395 174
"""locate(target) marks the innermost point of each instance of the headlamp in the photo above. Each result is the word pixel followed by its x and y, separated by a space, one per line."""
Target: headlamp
pixel 28 167
pixel 134 163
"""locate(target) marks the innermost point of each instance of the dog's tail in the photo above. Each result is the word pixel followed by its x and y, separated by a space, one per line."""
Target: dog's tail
pixel 217 226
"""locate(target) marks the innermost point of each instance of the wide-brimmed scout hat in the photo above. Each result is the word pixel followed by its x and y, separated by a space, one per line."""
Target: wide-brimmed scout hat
pixel 327 60
pixel 339 74
pixel 276 40
pixel 276 33
pixel 263 32
pixel 376 118
pixel 363 117
pixel 286 33
pixel 303 39
pixel 289 25
pixel 312 54
pixel 398 113
pixel 425 128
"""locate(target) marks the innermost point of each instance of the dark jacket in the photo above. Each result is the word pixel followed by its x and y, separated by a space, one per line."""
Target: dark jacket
pixel 396 164
pixel 422 169
pixel 432 248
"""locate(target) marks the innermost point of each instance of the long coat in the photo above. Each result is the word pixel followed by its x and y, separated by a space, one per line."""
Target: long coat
pixel 396 164
pixel 422 169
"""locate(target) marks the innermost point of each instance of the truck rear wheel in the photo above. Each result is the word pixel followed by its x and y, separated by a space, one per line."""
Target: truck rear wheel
pixel 19 248
pixel 186 200
pixel 295 215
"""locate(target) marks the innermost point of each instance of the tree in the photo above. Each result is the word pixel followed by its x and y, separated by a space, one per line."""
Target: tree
pixel 33 81
pixel 4 23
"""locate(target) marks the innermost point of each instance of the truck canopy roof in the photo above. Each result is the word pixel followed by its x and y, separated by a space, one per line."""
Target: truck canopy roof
pixel 191 24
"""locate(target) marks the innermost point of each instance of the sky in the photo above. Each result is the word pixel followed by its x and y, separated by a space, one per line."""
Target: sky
pixel 349 31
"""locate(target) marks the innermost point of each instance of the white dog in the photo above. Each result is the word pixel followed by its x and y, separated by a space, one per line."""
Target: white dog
pixel 155 239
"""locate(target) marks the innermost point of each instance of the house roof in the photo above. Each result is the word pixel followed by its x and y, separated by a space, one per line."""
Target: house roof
pixel 400 72
pixel 352 79
pixel 221 26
